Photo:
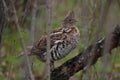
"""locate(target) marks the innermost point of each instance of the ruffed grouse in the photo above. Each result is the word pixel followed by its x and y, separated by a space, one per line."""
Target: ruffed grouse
pixel 62 40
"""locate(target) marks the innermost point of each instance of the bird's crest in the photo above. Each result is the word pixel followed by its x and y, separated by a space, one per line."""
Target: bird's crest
pixel 70 15
pixel 70 18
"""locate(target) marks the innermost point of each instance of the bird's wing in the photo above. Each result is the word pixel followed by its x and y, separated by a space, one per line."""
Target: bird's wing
pixel 58 42
pixel 40 46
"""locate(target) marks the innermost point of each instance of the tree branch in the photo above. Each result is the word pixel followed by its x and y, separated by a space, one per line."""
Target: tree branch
pixel 22 41
pixel 79 62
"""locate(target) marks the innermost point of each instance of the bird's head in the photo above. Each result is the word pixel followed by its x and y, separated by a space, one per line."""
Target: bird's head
pixel 70 19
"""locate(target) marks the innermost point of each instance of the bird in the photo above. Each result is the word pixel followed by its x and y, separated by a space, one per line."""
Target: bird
pixel 62 40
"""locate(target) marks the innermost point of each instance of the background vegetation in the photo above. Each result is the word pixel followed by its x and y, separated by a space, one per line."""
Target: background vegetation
pixel 29 12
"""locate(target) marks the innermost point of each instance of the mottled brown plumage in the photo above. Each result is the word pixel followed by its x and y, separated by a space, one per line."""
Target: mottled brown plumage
pixel 62 40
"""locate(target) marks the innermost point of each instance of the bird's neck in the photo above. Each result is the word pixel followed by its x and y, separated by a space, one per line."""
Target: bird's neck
pixel 67 25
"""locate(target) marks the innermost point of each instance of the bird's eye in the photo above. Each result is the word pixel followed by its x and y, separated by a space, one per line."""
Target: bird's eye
pixel 70 20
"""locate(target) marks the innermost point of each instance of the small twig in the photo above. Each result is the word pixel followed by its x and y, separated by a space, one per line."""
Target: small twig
pixel 32 26
pixel 33 20
pixel 5 10
pixel 22 41
pixel 48 29
pixel 26 10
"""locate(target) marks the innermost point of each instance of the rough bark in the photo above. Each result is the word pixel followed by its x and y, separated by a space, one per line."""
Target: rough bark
pixel 86 57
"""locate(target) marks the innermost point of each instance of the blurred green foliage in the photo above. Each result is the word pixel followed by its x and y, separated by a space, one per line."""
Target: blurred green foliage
pixel 9 63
